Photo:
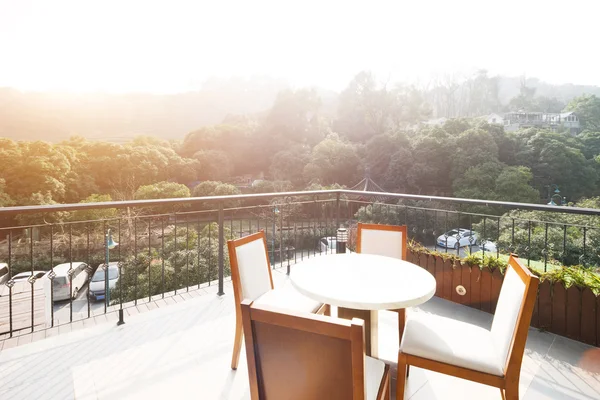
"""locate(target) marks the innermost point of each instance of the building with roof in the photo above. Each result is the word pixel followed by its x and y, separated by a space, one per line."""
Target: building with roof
pixel 569 121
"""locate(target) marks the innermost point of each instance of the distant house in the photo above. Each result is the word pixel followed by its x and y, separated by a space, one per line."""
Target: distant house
pixel 554 121
pixel 494 119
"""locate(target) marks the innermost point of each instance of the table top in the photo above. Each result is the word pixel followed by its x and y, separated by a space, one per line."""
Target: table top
pixel 363 281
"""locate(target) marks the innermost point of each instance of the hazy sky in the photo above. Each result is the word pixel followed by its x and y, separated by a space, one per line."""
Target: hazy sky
pixel 173 45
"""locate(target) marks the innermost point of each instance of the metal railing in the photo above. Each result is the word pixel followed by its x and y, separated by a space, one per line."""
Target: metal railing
pixel 168 246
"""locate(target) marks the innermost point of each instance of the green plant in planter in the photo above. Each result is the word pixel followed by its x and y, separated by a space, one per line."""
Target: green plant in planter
pixel 574 275
pixel 482 261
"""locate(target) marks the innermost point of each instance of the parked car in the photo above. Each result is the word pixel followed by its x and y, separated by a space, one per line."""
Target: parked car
pixel 98 282
pixel 458 237
pixel 3 273
pixel 488 246
pixel 327 244
pixel 25 275
pixel 64 288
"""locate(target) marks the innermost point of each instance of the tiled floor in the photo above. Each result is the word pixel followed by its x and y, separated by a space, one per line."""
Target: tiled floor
pixel 183 351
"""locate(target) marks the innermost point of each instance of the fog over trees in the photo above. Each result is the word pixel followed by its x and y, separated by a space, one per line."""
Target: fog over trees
pixel 246 130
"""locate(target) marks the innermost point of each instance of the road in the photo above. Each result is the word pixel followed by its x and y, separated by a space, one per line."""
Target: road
pixel 80 307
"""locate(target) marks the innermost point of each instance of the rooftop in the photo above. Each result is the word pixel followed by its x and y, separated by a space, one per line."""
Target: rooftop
pixel 180 347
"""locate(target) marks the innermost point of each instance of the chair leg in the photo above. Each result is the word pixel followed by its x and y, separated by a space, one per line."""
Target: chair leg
pixel 237 341
pixel 401 322
pixel 325 309
pixel 511 392
pixel 401 378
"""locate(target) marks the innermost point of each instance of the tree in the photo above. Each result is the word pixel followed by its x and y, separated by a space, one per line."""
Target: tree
pixel 263 186
pixel 333 161
pixel 473 147
pixel 214 188
pixel 33 167
pixel 294 117
pixel 556 159
pixel 363 109
pixel 590 144
pixel 95 214
pixel 379 151
pixel 482 94
pixel 479 181
pixel 549 104
pixel 5 200
pixel 213 164
pixel 525 100
pixel 513 184
pixel 431 152
pixel 288 164
pixel 162 190
pixel 587 108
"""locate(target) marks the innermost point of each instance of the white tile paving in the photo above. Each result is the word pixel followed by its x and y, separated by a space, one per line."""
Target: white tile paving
pixel 183 351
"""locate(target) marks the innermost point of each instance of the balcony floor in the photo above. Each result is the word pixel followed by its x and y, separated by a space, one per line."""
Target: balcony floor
pixel 183 351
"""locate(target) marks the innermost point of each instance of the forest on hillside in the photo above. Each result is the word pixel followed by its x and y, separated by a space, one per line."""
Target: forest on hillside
pixel 294 145
pixel 299 144
pixel 120 117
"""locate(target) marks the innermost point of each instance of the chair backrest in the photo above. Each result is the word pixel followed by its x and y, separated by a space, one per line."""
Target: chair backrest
pixel 382 240
pixel 298 356
pixel 513 313
pixel 250 268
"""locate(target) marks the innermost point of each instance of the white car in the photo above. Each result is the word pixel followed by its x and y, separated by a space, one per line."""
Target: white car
pixel 488 246
pixel 98 283
pixel 327 244
pixel 457 238
pixel 25 275
pixel 3 273
pixel 70 278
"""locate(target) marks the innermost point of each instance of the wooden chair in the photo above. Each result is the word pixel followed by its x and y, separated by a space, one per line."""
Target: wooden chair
pixel 252 279
pixel 492 357
pixel 298 356
pixel 384 240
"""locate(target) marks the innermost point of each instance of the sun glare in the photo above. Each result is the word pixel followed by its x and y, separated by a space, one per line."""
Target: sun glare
pixel 159 46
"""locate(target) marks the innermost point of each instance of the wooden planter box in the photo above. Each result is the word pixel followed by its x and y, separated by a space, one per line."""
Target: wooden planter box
pixel 572 312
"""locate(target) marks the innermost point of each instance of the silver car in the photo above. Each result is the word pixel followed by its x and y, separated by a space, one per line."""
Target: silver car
pixel 458 238
pixel 98 282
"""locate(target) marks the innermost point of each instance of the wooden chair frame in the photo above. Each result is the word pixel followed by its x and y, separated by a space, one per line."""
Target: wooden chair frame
pixel 377 227
pixel 392 228
pixel 237 288
pixel 509 383
pixel 353 331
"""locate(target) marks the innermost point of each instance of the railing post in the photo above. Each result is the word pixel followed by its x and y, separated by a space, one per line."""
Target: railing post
pixel 221 245
pixel 337 211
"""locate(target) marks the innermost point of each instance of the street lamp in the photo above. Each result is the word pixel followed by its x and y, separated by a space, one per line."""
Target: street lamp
pixel 341 240
pixel 560 201
pixel 275 214
pixel 109 245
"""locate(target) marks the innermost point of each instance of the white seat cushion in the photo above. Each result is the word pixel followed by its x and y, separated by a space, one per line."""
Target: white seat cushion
pixel 451 342
pixel 287 297
pixel 373 374
pixel 381 242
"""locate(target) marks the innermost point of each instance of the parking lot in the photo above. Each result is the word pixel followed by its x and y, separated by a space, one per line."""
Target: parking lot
pixel 80 307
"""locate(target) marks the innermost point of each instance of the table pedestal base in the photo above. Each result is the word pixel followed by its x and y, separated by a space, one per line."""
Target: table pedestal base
pixel 371 327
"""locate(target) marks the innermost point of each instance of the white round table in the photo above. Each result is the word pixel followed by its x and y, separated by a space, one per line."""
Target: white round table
pixel 362 284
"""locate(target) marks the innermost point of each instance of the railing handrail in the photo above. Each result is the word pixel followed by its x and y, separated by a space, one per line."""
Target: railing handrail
pixel 4 211
pixel 508 204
